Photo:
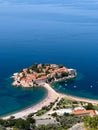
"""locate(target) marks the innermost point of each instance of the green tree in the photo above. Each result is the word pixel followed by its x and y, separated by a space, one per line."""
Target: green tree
pixel 60 66
pixel 91 122
pixel 22 124
pixel 63 74
pixel 30 120
pixel 89 106
pixel 54 114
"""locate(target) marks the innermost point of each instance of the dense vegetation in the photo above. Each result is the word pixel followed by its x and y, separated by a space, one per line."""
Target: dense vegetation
pixel 90 106
pixel 91 123
pixel 39 68
pixel 35 67
pixel 63 123
pixel 68 120
pixel 66 103
pixel 50 127
pixel 45 108
pixel 18 124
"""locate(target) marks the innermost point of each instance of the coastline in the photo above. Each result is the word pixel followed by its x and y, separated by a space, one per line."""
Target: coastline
pixel 51 96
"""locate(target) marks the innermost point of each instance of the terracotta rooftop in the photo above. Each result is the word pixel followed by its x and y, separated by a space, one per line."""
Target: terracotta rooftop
pixel 84 112
pixel 42 77
pixel 61 69
pixel 33 76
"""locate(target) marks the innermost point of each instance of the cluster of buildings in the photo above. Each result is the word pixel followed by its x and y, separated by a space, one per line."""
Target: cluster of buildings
pixel 84 112
pixel 79 111
pixel 29 77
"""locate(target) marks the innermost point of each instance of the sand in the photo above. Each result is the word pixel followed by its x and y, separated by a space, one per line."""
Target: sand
pixel 52 95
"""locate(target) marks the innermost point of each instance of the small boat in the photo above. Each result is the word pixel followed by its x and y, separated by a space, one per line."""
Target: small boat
pixel 65 84
pixel 74 86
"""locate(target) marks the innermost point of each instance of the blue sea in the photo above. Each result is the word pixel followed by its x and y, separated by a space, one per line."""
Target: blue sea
pixel 47 31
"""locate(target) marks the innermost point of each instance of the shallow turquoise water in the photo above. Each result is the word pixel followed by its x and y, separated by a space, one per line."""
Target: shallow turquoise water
pixel 13 99
pixel 53 31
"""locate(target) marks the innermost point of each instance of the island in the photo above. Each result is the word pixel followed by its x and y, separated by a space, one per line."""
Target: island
pixel 37 74
pixel 41 75
pixel 56 108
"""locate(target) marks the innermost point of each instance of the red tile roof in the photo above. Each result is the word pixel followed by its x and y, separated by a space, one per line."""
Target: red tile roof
pixel 83 112
pixel 42 77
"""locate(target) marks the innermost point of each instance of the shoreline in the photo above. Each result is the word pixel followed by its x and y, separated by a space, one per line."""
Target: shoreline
pixel 51 96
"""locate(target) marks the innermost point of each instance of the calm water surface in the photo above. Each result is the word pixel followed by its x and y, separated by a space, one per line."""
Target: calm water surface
pixel 48 32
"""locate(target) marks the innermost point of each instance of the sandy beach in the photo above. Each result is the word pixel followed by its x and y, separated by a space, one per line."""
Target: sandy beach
pixel 52 95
